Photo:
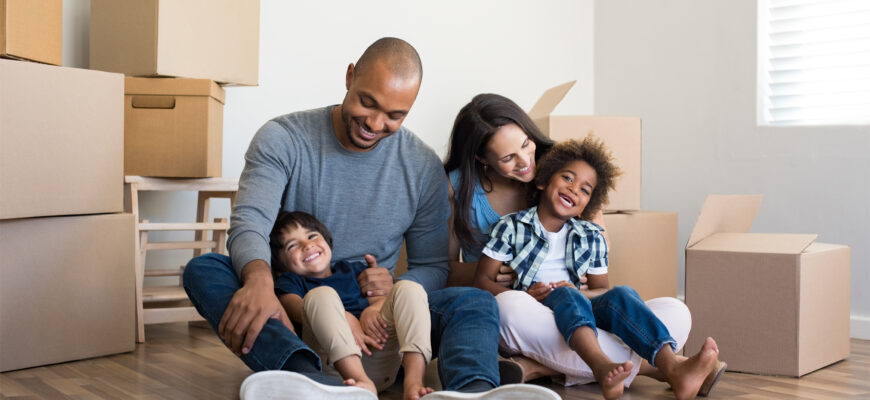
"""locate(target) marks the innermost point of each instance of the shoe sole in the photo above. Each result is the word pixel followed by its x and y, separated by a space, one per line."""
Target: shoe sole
pixel 274 385
pixel 712 379
pixel 510 371
pixel 505 392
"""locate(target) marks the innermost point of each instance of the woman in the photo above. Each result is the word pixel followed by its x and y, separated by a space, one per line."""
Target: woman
pixel 493 150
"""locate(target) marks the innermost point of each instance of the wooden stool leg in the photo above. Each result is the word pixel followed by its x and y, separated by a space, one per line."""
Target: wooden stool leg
pixel 202 205
pixel 142 242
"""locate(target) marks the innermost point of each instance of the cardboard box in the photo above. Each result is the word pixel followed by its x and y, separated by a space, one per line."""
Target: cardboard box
pixel 173 127
pixel 643 252
pixel 66 289
pixel 32 30
pixel 621 134
pixel 204 39
pixel 61 140
pixel 776 304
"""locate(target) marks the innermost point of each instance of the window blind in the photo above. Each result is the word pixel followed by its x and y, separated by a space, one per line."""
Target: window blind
pixel 814 62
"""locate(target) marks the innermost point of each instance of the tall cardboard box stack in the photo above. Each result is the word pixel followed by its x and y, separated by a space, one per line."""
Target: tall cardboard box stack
pixel 175 54
pixel 777 304
pixel 66 271
pixel 643 244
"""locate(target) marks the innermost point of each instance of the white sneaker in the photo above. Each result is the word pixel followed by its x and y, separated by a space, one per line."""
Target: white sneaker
pixel 274 385
pixel 519 391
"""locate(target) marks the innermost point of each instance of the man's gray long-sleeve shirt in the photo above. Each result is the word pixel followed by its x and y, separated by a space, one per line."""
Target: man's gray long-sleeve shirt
pixel 371 202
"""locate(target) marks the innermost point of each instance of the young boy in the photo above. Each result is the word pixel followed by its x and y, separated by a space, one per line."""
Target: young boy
pixel 550 248
pixel 338 322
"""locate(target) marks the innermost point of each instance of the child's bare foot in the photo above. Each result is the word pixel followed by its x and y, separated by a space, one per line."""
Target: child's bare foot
pixel 366 384
pixel 688 374
pixel 610 377
pixel 415 390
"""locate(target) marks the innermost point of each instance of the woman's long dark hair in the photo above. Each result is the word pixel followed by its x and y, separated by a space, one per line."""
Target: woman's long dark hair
pixel 474 126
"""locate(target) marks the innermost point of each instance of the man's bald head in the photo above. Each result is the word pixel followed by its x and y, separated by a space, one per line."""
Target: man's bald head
pixel 397 55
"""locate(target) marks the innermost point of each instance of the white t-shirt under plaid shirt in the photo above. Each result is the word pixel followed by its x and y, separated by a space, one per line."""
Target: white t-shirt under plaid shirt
pixel 520 241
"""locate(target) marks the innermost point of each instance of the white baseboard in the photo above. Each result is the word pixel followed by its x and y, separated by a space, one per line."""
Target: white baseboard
pixel 860 327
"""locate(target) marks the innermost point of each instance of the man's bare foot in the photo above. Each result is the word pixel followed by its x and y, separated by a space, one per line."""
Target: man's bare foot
pixel 610 377
pixel 415 390
pixel 532 369
pixel 688 374
pixel 366 384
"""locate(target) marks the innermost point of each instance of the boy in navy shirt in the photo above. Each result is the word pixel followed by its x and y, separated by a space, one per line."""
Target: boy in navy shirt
pixel 338 322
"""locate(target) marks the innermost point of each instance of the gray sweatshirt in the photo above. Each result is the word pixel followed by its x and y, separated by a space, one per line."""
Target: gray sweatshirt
pixel 371 202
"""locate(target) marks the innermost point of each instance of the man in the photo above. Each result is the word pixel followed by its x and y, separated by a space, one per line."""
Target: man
pixel 375 185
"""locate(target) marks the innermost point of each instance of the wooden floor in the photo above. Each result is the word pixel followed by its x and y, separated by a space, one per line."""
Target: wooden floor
pixel 181 362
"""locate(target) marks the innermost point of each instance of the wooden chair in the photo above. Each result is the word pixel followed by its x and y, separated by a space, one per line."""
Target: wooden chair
pixel 160 304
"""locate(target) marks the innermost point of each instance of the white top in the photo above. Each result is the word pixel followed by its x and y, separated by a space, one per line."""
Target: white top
pixel 554 269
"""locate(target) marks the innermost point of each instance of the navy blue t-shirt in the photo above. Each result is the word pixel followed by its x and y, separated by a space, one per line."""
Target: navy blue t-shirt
pixel 343 280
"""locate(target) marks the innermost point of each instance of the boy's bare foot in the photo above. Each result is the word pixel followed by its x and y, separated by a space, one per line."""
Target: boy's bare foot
pixel 415 390
pixel 687 375
pixel 366 384
pixel 610 377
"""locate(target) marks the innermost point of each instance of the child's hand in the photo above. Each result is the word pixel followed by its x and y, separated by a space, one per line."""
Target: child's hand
pixel 556 285
pixel 362 340
pixel 540 291
pixel 374 325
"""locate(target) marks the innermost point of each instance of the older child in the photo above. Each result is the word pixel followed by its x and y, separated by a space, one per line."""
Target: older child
pixel 338 322
pixel 550 249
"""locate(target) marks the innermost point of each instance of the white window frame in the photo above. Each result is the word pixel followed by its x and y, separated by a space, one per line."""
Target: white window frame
pixel 801 91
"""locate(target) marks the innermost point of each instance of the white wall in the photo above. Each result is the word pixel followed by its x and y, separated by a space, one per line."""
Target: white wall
pixel 688 68
pixel 515 48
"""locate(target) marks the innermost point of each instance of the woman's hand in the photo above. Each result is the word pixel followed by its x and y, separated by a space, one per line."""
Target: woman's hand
pixel 362 340
pixel 505 276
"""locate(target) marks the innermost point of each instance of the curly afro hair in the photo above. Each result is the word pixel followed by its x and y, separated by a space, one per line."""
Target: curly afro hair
pixel 591 150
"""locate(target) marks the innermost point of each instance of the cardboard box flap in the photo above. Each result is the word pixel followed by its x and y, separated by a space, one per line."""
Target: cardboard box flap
pixel 173 87
pixel 724 214
pixel 765 243
pixel 549 100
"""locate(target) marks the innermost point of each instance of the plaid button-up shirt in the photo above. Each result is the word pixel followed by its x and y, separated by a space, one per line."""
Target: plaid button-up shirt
pixel 518 240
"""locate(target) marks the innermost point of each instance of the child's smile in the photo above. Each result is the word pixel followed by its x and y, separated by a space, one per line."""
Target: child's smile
pixel 566 194
pixel 305 252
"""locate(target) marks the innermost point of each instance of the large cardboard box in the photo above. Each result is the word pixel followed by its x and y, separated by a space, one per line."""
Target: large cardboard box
pixel 66 289
pixel 776 304
pixel 61 140
pixel 621 134
pixel 32 30
pixel 173 127
pixel 205 39
pixel 643 252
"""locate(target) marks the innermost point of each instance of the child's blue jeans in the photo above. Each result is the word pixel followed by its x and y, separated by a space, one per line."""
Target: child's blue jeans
pixel 620 311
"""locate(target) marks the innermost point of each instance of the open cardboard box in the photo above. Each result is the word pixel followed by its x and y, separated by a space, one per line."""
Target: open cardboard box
pixel 32 30
pixel 777 304
pixel 205 39
pixel 622 135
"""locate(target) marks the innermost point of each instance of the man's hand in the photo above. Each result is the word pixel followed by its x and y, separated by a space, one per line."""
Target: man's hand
pixel 373 324
pixel 362 340
pixel 250 308
pixel 505 276
pixel 540 291
pixel 374 280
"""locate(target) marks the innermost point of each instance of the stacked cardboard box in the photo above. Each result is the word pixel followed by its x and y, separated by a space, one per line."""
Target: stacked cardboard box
pixel 31 30
pixel 174 124
pixel 67 248
pixel 777 304
pixel 643 244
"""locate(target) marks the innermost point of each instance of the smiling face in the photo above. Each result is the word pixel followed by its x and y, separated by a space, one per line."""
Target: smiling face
pixel 568 192
pixel 511 154
pixel 305 252
pixel 376 104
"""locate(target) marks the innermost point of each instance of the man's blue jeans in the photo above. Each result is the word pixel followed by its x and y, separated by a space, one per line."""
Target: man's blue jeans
pixel 464 328
pixel 620 311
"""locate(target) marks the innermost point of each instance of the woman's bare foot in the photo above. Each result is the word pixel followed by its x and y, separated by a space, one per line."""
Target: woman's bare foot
pixel 687 375
pixel 415 390
pixel 366 384
pixel 532 369
pixel 610 377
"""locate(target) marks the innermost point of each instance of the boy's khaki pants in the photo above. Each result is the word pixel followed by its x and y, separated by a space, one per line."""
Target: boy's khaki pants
pixel 406 311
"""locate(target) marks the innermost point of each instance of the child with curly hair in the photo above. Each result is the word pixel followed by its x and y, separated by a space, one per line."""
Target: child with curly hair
pixel 550 248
